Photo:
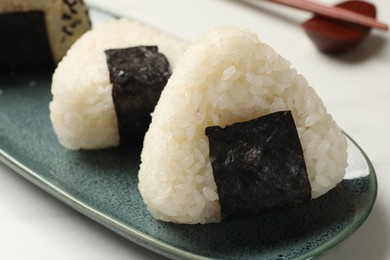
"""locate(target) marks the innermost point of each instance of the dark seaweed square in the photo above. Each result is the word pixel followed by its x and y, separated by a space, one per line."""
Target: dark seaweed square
pixel 258 165
pixel 24 42
pixel 138 75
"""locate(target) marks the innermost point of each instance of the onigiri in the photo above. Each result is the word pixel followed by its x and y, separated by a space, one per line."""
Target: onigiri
pixel 96 72
pixel 229 77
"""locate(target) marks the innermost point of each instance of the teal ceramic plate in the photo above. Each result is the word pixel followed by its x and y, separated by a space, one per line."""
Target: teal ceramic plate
pixel 103 186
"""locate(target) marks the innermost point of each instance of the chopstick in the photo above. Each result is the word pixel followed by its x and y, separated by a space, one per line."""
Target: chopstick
pixel 333 12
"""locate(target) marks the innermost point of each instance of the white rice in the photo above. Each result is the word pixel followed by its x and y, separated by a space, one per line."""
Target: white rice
pixel 82 111
pixel 228 76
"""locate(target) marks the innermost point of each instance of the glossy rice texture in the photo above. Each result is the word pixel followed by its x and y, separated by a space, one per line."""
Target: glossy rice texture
pixel 82 110
pixel 228 76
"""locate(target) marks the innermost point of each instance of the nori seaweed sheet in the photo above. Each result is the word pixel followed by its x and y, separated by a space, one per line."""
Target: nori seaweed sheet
pixel 138 75
pixel 258 165
pixel 24 42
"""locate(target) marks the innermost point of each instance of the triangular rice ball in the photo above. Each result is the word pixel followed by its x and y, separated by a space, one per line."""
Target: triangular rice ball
pixel 228 76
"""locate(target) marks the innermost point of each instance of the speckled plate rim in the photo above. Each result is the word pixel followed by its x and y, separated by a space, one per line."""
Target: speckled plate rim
pixel 107 221
pixel 359 220
pixel 165 249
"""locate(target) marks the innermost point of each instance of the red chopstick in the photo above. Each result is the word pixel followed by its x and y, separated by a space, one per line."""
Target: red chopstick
pixel 333 12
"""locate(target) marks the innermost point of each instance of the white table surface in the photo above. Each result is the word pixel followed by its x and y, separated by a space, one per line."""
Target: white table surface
pixel 355 87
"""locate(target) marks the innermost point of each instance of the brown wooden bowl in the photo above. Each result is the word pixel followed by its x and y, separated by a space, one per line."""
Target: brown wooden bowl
pixel 335 36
